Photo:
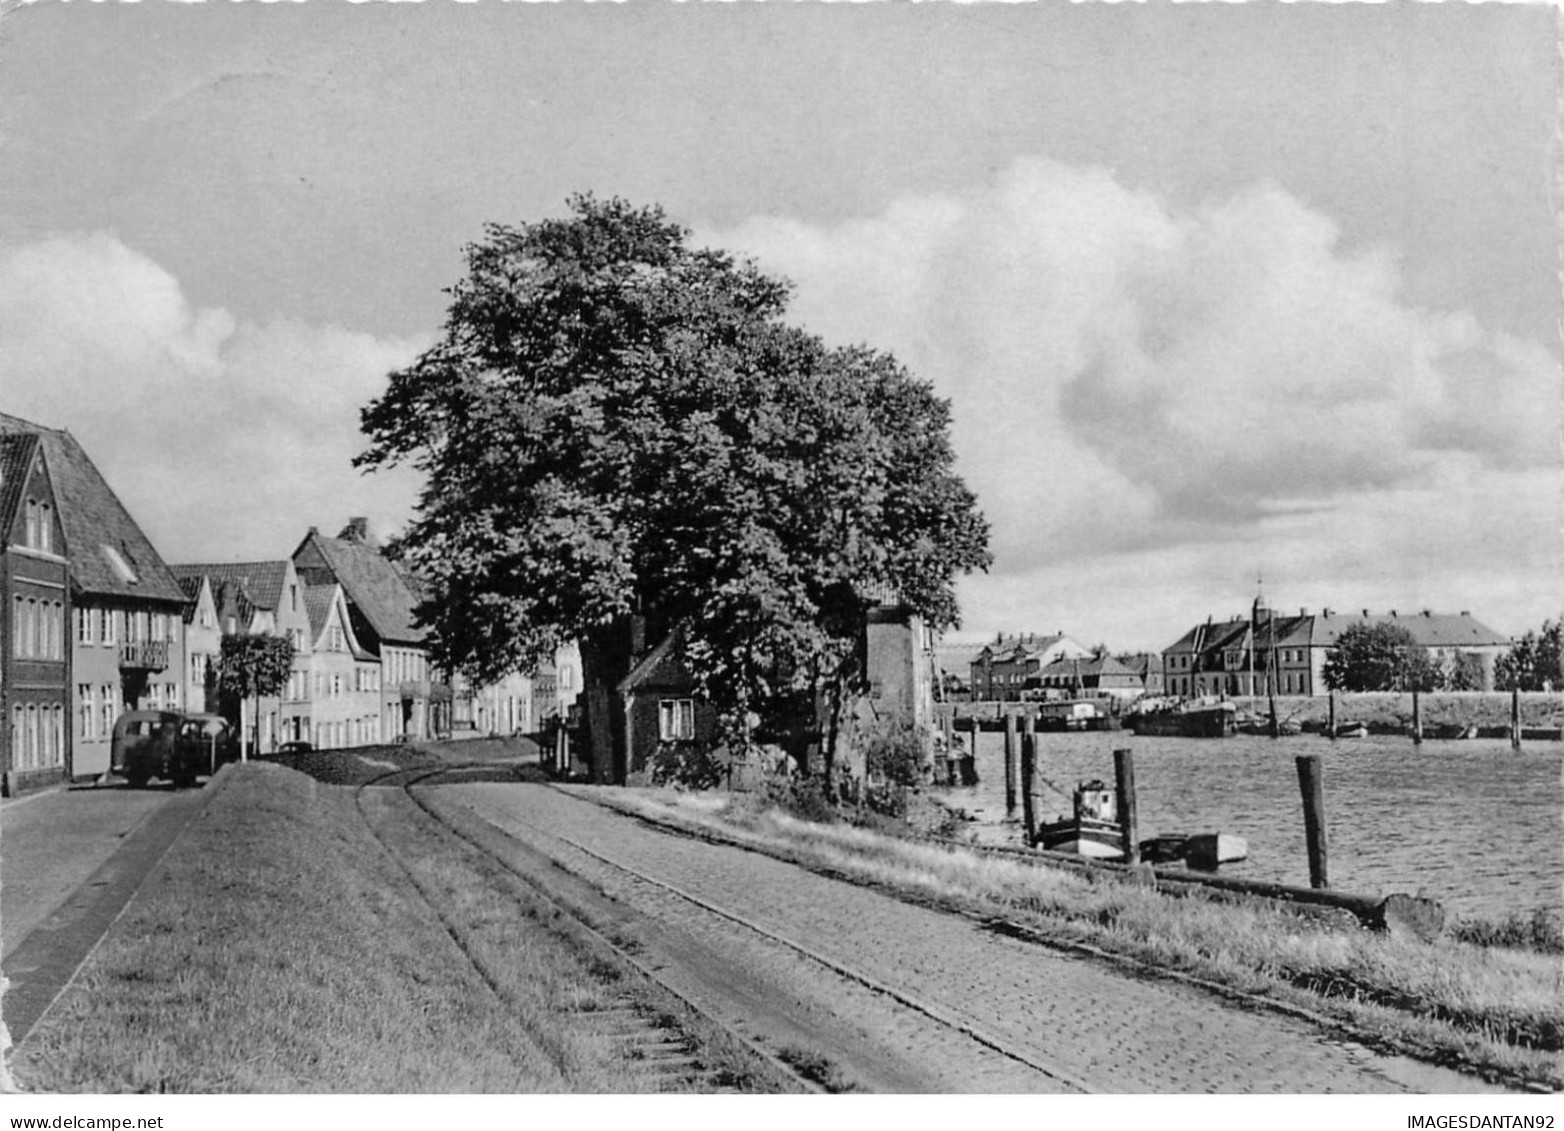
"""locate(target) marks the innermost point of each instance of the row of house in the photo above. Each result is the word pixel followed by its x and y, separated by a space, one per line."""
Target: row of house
pixel 1271 651
pixel 95 623
pixel 1240 656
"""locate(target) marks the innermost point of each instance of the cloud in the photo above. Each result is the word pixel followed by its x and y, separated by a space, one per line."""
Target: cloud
pixel 226 438
pixel 1128 374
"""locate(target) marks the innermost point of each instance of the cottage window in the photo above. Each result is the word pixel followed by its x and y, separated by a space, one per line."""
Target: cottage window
pixel 30 538
pixel 676 720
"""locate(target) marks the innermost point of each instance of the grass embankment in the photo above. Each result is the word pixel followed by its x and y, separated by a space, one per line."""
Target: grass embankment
pixel 1392 713
pixel 280 948
pixel 1497 1011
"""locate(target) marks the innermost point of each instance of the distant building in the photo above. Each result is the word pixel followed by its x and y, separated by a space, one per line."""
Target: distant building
pixel 1093 676
pixel 1246 656
pixel 414 703
pixel 341 677
pixel 1011 665
pixel 263 598
pixel 203 645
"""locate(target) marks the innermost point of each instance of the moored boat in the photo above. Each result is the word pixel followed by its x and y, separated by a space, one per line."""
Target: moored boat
pixel 1093 831
pixel 1213 720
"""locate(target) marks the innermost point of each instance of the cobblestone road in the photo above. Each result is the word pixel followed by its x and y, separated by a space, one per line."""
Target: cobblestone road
pixel 1087 1023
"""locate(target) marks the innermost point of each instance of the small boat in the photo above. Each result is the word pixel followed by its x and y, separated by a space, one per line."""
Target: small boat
pixel 1075 714
pixel 1352 730
pixel 1195 720
pixel 1203 851
pixel 1093 831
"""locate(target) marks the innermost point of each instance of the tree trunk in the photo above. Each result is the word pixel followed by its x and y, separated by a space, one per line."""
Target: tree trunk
pixel 244 734
pixel 600 664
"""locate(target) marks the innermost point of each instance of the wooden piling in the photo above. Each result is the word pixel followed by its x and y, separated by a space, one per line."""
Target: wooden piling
pixel 1011 766
pixel 1029 785
pixel 1312 786
pixel 1417 718
pixel 1515 718
pixel 1124 786
pixel 969 774
pixel 1330 717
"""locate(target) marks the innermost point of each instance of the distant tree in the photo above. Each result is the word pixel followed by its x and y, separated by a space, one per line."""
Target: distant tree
pixel 618 423
pixel 1465 672
pixel 1533 660
pixel 250 667
pixel 1380 657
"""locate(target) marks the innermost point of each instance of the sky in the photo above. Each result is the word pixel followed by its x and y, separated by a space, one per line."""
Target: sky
pixel 1223 296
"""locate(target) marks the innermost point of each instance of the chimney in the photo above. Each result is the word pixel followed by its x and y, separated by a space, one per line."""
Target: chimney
pixel 1365 612
pixel 1303 612
pixel 314 530
pixel 1426 613
pixel 1392 612
pixel 1326 613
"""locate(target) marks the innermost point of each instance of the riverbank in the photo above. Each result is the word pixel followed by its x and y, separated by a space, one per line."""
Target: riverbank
pixel 1444 713
pixel 1492 1011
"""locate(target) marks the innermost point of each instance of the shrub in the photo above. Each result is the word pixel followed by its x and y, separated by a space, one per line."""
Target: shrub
pixel 686 765
pixel 803 798
pixel 893 753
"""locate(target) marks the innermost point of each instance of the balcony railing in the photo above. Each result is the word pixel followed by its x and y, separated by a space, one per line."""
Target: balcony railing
pixel 145 655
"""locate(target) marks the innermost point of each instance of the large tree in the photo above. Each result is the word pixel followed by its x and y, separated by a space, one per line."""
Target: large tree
pixel 1380 657
pixel 615 422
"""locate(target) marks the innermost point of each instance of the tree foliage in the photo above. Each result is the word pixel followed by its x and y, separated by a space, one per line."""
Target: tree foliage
pixel 1380 657
pixel 251 666
pixel 616 422
pixel 1533 660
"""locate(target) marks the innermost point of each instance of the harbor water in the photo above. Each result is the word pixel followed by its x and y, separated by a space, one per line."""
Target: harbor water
pixel 1474 824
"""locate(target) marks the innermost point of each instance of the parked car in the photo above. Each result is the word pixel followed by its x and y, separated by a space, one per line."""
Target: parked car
pixel 168 745
pixel 296 747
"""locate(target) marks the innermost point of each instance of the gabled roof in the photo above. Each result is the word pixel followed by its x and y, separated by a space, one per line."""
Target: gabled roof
pixel 319 601
pixel 261 582
pixel 192 590
pixel 659 669
pixel 16 459
pixel 99 533
pixel 372 583
pixel 1092 666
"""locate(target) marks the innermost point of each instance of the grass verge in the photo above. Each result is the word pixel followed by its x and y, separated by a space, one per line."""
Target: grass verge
pixel 1495 1011
pixel 278 947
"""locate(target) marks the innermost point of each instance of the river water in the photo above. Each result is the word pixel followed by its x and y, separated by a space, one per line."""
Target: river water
pixel 1472 824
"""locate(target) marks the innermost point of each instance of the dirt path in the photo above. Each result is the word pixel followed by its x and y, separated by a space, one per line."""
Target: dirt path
pixel 997 1014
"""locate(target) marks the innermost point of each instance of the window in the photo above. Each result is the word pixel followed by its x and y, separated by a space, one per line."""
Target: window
pixel 206 617
pixel 18 728
pixel 111 625
pixel 336 686
pixel 19 629
pixel 293 597
pixel 676 720
pixel 85 706
pixel 84 626
pixel 336 639
pixel 106 710
pixel 30 538
pixel 46 527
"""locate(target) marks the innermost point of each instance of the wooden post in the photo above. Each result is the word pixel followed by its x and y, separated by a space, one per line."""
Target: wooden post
pixel 968 767
pixel 1029 785
pixel 1313 788
pixel 1330 718
pixel 1011 767
pixel 1515 717
pixel 1124 785
pixel 1417 718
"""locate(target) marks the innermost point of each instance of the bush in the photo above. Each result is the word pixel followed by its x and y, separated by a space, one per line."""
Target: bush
pixel 685 765
pixel 803 798
pixel 893 753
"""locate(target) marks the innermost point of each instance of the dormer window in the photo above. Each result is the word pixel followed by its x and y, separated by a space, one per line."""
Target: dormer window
pixel 121 566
